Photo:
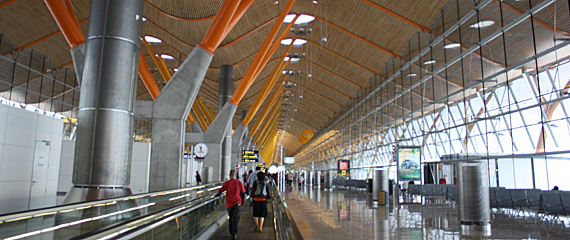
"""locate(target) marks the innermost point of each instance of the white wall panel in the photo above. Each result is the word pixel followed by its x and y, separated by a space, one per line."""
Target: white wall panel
pixel 17 163
pixel 3 121
pixel 17 199
pixel 21 127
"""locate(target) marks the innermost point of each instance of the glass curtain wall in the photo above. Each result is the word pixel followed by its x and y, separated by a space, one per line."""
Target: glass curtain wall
pixel 490 81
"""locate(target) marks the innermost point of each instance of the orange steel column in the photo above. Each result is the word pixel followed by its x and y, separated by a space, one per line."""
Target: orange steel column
pixel 269 133
pixel 66 22
pixel 273 117
pixel 242 8
pixel 266 87
pixel 244 85
pixel 220 25
pixel 265 111
pixel 147 78
pixel 205 111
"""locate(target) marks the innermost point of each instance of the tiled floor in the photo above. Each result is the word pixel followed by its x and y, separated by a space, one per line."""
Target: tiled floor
pixel 350 214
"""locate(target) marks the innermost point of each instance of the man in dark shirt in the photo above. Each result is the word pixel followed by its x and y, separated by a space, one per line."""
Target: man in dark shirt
pixel 234 199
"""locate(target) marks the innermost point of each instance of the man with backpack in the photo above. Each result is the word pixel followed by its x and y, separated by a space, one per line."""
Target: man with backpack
pixel 260 195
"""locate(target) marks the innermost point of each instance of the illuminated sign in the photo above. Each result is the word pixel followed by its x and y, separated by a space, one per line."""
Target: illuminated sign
pixel 409 163
pixel 249 156
pixel 343 168
pixel 289 160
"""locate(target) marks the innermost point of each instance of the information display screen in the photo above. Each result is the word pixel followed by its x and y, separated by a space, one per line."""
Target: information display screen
pixel 343 168
pixel 289 160
pixel 409 163
pixel 250 156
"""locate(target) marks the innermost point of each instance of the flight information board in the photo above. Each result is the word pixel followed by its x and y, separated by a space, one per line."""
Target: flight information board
pixel 250 156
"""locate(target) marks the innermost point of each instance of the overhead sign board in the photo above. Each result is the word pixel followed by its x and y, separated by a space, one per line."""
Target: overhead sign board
pixel 289 160
pixel 250 156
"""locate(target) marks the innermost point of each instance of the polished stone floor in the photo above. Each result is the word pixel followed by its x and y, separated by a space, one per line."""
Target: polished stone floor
pixel 351 214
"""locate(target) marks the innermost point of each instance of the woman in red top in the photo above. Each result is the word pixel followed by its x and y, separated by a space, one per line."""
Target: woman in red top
pixel 260 193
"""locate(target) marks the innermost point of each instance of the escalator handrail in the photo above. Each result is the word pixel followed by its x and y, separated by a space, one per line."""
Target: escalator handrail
pixel 123 231
pixel 59 208
pixel 280 232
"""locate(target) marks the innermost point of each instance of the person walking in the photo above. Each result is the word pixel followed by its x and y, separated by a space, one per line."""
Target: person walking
pixel 234 199
pixel 198 178
pixel 251 179
pixel 260 193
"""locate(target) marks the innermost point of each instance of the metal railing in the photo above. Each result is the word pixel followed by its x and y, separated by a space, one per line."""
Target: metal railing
pixel 285 226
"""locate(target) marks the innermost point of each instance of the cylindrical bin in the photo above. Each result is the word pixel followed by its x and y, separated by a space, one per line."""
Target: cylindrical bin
pixel 380 184
pixel 473 198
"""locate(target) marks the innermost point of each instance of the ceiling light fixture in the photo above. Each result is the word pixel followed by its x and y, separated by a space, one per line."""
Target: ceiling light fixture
pixel 429 62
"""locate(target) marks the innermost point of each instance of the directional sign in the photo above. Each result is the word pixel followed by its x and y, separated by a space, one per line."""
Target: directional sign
pixel 249 156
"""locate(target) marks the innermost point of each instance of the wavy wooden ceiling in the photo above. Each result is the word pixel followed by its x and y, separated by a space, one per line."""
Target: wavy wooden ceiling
pixel 362 35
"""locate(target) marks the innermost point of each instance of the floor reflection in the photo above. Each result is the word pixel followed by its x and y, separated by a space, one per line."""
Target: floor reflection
pixel 351 214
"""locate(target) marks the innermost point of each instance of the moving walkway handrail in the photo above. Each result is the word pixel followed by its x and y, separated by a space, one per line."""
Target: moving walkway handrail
pixel 141 224
pixel 285 226
pixel 66 207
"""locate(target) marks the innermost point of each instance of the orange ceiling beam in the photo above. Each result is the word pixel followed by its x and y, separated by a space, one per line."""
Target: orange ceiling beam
pixel 4 4
pixel 219 26
pixel 268 107
pixel 66 21
pixel 258 62
pixel 268 85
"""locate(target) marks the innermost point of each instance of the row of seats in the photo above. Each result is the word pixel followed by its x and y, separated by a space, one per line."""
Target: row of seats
pixel 349 183
pixel 549 202
pixel 434 190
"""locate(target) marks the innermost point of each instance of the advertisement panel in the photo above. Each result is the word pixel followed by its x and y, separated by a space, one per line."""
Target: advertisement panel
pixel 343 168
pixel 409 163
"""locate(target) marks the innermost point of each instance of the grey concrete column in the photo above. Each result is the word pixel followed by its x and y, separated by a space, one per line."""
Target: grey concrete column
pixel 108 91
pixel 226 89
pixel 318 178
pixel 328 180
pixel 379 183
pixel 473 198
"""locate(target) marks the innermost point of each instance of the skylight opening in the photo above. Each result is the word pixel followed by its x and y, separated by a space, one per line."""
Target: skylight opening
pixel 298 42
pixel 302 19
pixel 293 60
pixel 482 24
pixel 451 46
pixel 152 40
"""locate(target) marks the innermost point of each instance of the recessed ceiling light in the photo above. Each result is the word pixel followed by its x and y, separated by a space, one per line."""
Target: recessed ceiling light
pixel 412 75
pixel 276 2
pixel 302 19
pixel 315 2
pixel 429 62
pixel 144 19
pixel 284 71
pixel 482 24
pixel 453 45
pixel 175 69
pixel 151 39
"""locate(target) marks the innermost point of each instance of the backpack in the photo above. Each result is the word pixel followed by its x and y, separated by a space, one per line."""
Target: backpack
pixel 260 190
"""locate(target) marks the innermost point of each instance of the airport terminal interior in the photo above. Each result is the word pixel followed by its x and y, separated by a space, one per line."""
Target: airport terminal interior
pixel 371 119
